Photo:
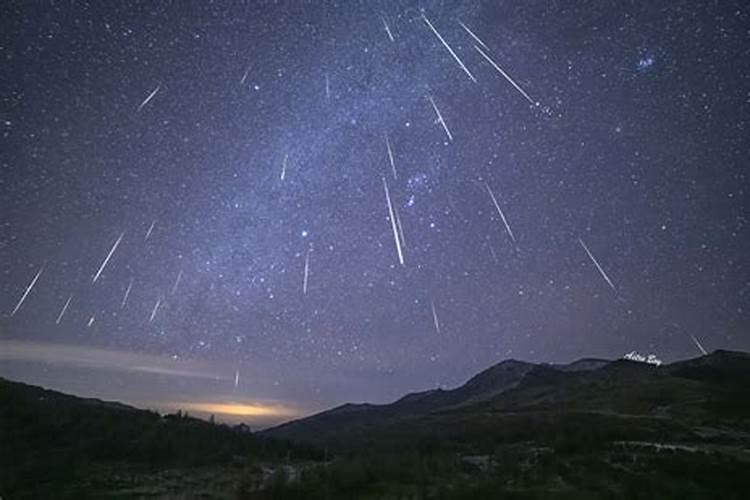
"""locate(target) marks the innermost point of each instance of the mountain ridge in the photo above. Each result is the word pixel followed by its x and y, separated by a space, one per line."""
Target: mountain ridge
pixel 588 426
pixel 589 384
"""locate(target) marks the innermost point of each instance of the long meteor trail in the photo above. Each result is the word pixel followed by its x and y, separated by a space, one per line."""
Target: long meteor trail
pixel 64 308
pixel 394 225
pixel 26 293
pixel 500 212
pixel 507 76
pixel 598 267
pixel 440 119
pixel 445 44
pixel 109 256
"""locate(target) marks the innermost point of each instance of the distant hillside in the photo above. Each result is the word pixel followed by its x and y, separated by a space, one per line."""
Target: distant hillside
pixel 590 429
pixel 51 438
pixel 674 396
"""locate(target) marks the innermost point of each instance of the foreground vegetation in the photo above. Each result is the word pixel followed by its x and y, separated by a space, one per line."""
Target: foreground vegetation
pixel 612 471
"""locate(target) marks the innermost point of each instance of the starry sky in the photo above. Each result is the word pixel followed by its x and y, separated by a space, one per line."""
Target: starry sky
pixel 193 205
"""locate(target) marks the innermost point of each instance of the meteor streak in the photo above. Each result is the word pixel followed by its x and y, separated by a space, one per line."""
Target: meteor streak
pixel 400 227
pixel 445 44
pixel 388 29
pixel 390 156
pixel 65 308
pixel 698 345
pixel 435 318
pixel 150 229
pixel 506 76
pixel 177 282
pixel 109 255
pixel 26 293
pixel 471 33
pixel 307 272
pixel 598 267
pixel 150 96
pixel 394 226
pixel 127 294
pixel 440 119
pixel 156 308
pixel 500 212
pixel 283 166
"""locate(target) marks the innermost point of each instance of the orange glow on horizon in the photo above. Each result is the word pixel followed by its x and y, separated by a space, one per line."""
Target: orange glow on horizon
pixel 238 409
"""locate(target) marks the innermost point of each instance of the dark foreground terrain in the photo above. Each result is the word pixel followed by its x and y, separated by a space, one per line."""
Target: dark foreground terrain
pixel 591 429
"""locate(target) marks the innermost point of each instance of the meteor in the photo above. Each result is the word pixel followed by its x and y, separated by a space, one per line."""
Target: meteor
pixel 392 216
pixel 440 119
pixel 109 255
pixel 177 282
pixel 435 318
pixel 283 166
pixel 150 96
pixel 475 37
pixel 598 267
pixel 388 29
pixel 150 229
pixel 502 215
pixel 307 272
pixel 400 227
pixel 445 44
pixel 26 293
pixel 127 294
pixel 698 345
pixel 507 76
pixel 390 156
pixel 156 308
pixel 65 308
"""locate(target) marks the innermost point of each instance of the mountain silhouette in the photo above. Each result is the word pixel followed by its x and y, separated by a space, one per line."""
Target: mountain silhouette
pixel 668 395
pixel 589 429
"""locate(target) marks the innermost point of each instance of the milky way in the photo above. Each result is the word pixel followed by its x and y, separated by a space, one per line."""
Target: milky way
pixel 206 181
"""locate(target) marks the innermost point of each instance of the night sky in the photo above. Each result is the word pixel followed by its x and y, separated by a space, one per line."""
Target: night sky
pixel 232 160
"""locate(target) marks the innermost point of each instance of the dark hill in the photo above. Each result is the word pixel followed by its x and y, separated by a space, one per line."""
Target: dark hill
pixel 49 438
pixel 362 417
pixel 590 429
pixel 676 396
